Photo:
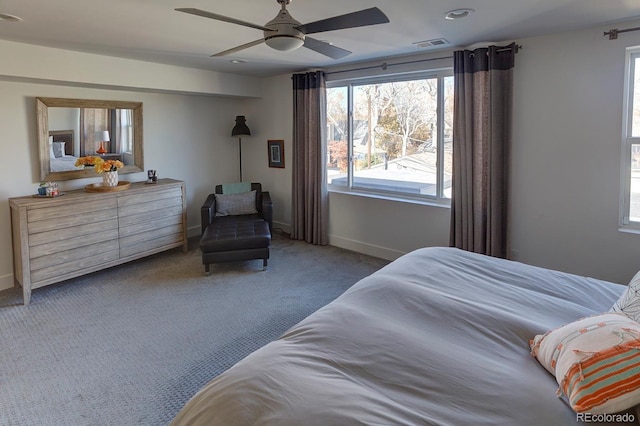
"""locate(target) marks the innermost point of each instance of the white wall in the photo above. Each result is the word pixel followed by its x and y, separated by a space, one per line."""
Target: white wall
pixel 566 154
pixel 384 228
pixel 271 117
pixel 46 64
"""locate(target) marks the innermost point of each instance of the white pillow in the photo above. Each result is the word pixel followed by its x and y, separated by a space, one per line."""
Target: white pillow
pixel 58 149
pixel 52 154
pixel 235 204
pixel 596 362
pixel 629 301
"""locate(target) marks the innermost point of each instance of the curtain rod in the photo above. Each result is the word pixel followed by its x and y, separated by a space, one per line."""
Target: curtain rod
pixel 613 33
pixel 385 65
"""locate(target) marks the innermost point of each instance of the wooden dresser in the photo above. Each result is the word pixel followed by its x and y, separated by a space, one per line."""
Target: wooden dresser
pixel 55 239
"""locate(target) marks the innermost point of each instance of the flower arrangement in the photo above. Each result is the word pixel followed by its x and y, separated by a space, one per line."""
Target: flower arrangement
pixel 86 161
pixel 99 165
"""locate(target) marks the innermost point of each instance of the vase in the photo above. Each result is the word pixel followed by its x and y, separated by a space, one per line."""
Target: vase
pixel 110 178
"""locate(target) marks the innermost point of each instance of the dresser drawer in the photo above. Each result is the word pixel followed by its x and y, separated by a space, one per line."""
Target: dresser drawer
pixel 51 268
pixel 80 235
pixel 141 244
pixel 49 219
pixel 150 226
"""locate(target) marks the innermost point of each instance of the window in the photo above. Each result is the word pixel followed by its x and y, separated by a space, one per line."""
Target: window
pixel 391 136
pixel 125 129
pixel 630 209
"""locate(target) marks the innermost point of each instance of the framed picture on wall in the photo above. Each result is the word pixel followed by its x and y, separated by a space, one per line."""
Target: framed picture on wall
pixel 276 153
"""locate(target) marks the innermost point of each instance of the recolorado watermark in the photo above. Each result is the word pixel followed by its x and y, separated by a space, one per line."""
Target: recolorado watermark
pixel 606 418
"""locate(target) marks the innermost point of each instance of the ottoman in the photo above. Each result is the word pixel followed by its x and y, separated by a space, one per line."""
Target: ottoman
pixel 231 241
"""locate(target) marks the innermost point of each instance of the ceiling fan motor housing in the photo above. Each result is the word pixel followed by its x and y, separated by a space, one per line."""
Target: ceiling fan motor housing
pixel 283 35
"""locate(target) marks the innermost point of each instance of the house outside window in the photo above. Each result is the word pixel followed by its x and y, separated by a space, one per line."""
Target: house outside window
pixel 391 136
pixel 630 175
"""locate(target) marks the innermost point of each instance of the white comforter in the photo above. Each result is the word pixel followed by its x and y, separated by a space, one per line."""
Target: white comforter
pixel 64 163
pixel 438 337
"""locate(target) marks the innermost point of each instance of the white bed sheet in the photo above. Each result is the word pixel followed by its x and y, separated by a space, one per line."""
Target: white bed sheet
pixel 438 337
pixel 64 163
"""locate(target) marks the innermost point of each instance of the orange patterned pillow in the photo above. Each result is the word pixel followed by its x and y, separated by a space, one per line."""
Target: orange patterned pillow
pixel 596 362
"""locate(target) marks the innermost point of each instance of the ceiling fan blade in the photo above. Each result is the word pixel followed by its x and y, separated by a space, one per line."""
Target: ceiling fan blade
pixel 361 18
pixel 217 17
pixel 325 48
pixel 238 48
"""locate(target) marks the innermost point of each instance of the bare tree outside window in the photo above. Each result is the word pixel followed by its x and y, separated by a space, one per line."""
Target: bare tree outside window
pixel 400 136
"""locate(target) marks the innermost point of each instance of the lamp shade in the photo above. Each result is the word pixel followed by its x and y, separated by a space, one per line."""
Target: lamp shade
pixel 104 136
pixel 240 128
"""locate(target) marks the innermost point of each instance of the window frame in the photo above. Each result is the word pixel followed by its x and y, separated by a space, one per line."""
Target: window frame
pixel 628 140
pixel 438 199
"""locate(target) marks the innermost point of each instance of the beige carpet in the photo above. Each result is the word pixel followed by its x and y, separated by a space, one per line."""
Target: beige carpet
pixel 131 344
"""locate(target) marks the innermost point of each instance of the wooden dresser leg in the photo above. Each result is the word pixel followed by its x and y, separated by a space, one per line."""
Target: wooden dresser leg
pixel 26 294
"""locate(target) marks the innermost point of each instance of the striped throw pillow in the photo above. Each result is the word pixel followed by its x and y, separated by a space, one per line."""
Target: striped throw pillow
pixel 596 362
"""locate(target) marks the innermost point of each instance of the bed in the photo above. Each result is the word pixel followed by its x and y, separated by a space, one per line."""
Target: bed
pixel 61 150
pixel 440 336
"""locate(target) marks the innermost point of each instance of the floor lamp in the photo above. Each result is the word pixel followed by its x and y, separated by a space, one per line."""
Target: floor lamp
pixel 240 129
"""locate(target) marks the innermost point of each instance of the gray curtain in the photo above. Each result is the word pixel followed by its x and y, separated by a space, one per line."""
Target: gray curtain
pixel 309 187
pixel 483 80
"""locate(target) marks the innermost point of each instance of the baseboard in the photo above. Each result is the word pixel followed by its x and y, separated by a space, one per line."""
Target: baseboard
pixel 6 282
pixel 194 231
pixel 284 227
pixel 365 248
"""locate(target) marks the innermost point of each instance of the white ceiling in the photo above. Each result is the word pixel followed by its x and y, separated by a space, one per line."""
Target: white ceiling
pixel 151 30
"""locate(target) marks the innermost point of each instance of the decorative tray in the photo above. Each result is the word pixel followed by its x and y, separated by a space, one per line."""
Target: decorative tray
pixel 99 187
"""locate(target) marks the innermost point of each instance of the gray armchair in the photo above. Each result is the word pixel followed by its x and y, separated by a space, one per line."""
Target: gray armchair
pixel 264 206
pixel 230 237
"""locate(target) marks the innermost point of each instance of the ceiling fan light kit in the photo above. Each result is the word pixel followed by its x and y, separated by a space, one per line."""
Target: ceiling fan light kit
pixel 285 33
pixel 284 42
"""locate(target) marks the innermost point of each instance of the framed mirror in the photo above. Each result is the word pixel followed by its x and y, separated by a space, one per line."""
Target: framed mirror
pixel 73 128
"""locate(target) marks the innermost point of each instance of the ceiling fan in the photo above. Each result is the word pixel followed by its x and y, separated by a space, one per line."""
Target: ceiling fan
pixel 285 33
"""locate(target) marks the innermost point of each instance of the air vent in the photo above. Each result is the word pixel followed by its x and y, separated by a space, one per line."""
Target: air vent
pixel 431 43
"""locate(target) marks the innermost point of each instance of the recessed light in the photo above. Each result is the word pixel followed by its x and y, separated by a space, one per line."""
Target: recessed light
pixel 458 13
pixel 9 18
pixel 238 61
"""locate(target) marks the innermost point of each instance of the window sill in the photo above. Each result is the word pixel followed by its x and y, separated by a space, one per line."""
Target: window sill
pixel 629 229
pixel 445 203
